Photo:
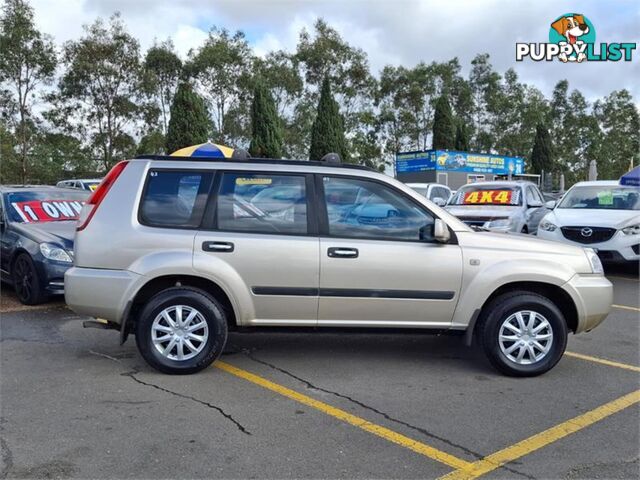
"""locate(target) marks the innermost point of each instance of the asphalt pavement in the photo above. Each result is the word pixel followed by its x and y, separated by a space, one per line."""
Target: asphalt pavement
pixel 75 404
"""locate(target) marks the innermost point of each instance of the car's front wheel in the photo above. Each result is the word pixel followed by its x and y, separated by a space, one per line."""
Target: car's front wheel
pixel 181 330
pixel 523 334
pixel 26 281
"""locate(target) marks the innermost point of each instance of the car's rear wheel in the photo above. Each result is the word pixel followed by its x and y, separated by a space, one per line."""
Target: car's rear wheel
pixel 26 281
pixel 181 330
pixel 523 334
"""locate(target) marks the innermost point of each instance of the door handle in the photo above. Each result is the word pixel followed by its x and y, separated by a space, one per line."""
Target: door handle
pixel 339 252
pixel 217 247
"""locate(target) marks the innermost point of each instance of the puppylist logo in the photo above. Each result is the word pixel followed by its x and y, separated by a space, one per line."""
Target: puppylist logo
pixel 572 38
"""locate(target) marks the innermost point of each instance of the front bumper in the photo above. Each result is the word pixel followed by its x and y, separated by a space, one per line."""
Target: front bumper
pixel 98 292
pixel 620 247
pixel 593 296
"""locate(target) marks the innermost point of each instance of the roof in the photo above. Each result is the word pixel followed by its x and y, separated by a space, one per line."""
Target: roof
pixel 257 161
pixel 501 183
pixel 25 188
pixel 81 180
pixel 598 183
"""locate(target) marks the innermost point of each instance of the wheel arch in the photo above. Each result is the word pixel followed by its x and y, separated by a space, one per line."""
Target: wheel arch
pixel 160 283
pixel 555 293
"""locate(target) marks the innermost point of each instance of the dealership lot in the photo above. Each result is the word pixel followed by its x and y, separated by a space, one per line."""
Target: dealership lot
pixel 76 404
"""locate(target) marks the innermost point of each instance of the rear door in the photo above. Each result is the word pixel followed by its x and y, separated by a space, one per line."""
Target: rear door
pixel 263 229
pixel 379 264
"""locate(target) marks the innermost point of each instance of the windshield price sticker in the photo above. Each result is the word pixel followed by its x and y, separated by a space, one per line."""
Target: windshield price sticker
pixel 479 197
pixel 48 210
pixel 254 181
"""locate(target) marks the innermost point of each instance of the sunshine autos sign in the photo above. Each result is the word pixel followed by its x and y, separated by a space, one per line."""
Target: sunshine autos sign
pixel 572 38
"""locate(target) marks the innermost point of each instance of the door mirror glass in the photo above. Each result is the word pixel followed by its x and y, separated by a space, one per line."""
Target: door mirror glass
pixel 441 231
pixel 441 202
pixel 551 204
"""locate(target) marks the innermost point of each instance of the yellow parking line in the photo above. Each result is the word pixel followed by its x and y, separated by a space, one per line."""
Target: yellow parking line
pixel 358 422
pixel 542 439
pixel 626 307
pixel 603 361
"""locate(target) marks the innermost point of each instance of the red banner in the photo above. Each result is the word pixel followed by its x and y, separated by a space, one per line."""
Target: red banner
pixel 48 210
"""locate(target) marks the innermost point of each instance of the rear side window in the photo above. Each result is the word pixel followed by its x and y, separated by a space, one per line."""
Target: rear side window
pixel 175 198
pixel 262 203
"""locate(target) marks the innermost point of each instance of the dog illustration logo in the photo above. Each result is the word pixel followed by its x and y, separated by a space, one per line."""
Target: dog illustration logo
pixel 574 29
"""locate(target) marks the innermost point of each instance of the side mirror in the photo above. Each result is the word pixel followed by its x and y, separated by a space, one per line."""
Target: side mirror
pixel 551 204
pixel 441 231
pixel 441 202
pixel 535 204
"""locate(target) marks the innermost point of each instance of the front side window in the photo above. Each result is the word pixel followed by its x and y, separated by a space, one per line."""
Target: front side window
pixel 602 198
pixel 366 209
pixel 175 198
pixel 262 203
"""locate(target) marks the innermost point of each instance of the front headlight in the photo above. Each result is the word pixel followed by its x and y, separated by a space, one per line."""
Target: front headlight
pixel 594 260
pixel 498 223
pixel 632 230
pixel 548 226
pixel 53 252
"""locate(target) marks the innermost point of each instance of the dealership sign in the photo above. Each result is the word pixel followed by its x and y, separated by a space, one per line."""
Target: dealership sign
pixel 450 160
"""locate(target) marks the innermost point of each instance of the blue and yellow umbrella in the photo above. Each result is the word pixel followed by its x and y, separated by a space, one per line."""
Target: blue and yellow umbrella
pixel 204 150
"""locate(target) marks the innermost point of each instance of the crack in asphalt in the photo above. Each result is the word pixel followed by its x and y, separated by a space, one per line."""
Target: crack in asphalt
pixel 421 430
pixel 132 374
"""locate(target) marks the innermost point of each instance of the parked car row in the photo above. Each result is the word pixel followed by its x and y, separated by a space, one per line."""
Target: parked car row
pixel 602 215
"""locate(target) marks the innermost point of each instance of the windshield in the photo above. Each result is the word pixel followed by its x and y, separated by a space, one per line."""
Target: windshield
pixel 487 195
pixel 45 205
pixel 602 198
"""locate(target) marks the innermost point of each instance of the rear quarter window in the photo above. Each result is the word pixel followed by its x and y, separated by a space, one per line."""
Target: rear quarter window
pixel 174 198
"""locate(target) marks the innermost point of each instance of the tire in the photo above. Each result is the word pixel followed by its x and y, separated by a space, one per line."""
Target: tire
pixel 152 326
pixel 506 309
pixel 26 281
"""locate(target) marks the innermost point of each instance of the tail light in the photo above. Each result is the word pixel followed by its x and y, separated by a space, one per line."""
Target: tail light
pixel 89 209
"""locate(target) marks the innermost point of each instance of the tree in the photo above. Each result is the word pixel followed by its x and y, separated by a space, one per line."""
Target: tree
pixel 619 121
pixel 485 87
pixel 266 139
pixel 443 128
pixel 100 92
pixel 162 70
pixel 462 137
pixel 327 133
pixel 189 123
pixel 221 69
pixel 542 153
pixel 28 59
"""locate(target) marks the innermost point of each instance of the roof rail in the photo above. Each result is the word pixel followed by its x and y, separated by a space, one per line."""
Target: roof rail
pixel 272 161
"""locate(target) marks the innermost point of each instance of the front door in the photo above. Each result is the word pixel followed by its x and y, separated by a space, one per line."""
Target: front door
pixel 263 238
pixel 379 264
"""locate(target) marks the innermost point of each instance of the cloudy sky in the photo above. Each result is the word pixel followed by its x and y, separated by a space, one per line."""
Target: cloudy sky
pixel 390 31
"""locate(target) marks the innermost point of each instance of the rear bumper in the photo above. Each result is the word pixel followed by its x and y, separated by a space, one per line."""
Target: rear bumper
pixel 593 296
pixel 98 292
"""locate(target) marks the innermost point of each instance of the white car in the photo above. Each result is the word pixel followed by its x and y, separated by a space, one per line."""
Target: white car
pixel 436 192
pixel 603 215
